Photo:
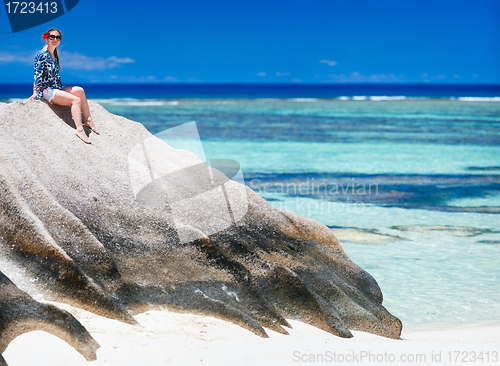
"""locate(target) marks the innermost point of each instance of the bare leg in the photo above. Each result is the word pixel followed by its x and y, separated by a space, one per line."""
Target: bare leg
pixel 64 98
pixel 80 93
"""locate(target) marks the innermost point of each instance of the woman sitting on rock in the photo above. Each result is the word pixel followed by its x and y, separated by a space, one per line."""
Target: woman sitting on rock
pixel 48 85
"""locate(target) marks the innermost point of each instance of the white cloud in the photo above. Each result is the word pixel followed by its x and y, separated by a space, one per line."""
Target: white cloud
pixel 429 78
pixel 282 73
pixel 295 80
pixel 113 78
pixel 77 61
pixel 329 62
pixel 261 74
pixel 357 77
pixel 135 79
pixel 24 57
pixel 170 78
pixel 69 60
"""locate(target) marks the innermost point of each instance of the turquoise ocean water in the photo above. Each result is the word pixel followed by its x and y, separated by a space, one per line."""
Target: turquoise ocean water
pixel 415 181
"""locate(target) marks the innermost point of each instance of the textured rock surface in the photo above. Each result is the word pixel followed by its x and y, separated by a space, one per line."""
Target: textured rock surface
pixel 19 313
pixel 72 216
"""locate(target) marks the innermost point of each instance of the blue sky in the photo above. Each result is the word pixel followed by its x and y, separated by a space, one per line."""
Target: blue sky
pixel 314 41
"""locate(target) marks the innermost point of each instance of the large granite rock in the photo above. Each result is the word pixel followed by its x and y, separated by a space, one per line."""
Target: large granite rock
pixel 129 224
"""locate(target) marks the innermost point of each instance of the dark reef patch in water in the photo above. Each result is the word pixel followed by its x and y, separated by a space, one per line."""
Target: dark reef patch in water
pixel 484 168
pixel 309 128
pixel 489 241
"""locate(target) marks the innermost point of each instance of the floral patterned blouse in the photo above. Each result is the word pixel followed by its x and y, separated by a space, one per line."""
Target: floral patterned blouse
pixel 46 73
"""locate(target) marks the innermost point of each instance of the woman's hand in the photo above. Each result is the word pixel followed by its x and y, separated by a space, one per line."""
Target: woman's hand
pixel 33 96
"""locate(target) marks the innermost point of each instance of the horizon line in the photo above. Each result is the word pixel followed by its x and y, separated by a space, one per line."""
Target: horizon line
pixel 266 83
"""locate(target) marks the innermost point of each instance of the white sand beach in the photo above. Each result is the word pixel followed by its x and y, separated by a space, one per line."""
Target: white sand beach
pixel 169 338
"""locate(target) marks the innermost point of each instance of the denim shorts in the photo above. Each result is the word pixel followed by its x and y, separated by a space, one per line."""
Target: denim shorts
pixel 49 94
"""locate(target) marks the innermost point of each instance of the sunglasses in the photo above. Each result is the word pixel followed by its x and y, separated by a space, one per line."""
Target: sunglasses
pixel 52 37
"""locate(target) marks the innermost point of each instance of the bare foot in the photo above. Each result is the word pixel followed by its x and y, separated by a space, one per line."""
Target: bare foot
pixel 81 134
pixel 90 124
